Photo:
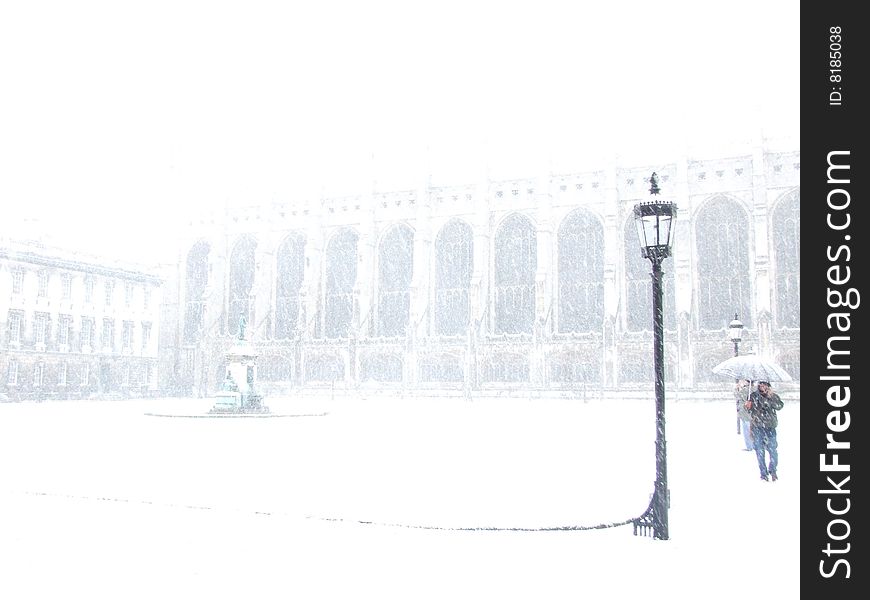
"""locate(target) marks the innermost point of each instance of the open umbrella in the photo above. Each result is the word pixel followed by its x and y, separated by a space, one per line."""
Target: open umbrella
pixel 753 368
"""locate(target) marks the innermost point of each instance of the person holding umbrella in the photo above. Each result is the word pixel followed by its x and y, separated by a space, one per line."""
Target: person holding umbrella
pixel 762 405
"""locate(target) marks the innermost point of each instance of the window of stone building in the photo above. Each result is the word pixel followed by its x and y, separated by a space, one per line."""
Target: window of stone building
pixel 146 334
pixel 189 363
pixel 386 368
pixel 65 286
pixel 12 372
pixel 87 333
pixel 86 374
pixel 395 269
pixel 324 368
pixel 196 280
pixel 791 362
pixel 17 281
pixel 453 269
pixel 341 271
pixel 581 273
pixel 128 294
pixel 291 271
pixel 786 225
pixel 40 328
pixel 127 335
pixel 42 284
pixel 516 260
pixel 38 374
pixel 638 286
pixel 242 268
pixel 274 368
pixel 722 233
pixel 444 369
pixel 575 369
pixel 108 339
pixel 61 373
pixel 64 325
pixel 507 368
pixel 636 367
pixel 15 320
pixel 110 291
pixel 89 289
pixel 146 297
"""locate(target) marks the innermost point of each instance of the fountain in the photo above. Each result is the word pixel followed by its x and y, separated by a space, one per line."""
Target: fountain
pixel 238 394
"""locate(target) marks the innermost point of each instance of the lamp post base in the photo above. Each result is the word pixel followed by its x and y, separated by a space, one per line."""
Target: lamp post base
pixel 651 523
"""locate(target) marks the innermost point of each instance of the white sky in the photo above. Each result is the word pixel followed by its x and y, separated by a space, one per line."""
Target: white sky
pixel 114 114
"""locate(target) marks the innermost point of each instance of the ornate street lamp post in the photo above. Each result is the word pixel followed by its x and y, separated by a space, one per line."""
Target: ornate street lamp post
pixel 654 222
pixel 735 332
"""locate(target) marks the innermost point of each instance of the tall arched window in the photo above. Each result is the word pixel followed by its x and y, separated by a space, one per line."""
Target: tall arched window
pixel 638 286
pixel 453 265
pixel 341 259
pixel 196 280
pixel 722 237
pixel 395 268
pixel 787 258
pixel 516 259
pixel 242 267
pixel 324 368
pixel 575 368
pixel 581 273
pixel 291 269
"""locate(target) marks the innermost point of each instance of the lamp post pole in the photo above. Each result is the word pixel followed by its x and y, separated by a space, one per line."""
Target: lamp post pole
pixel 655 225
pixel 660 500
pixel 735 331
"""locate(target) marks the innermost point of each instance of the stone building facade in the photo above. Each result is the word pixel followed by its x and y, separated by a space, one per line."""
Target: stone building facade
pixel 530 284
pixel 75 327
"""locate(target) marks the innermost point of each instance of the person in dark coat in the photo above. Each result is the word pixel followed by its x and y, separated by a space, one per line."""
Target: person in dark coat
pixel 762 406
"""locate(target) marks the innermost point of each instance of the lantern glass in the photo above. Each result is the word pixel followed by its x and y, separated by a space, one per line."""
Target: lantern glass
pixel 654 222
pixel 735 330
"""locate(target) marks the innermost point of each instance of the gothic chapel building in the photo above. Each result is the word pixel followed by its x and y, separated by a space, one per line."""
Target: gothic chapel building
pixel 533 284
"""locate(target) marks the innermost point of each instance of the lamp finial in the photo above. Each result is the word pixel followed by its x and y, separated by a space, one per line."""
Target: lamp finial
pixel 654 184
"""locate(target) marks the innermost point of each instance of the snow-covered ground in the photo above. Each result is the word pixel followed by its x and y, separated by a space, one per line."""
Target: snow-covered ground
pixel 378 498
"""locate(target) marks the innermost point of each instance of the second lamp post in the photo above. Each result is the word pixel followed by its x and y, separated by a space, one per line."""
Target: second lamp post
pixel 735 332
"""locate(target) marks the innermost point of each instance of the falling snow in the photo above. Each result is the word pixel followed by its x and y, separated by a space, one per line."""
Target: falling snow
pixel 122 131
